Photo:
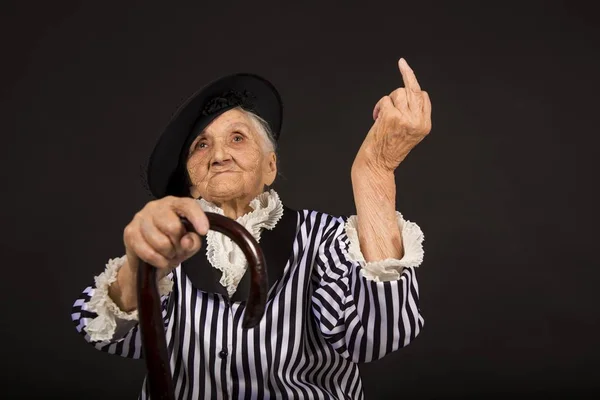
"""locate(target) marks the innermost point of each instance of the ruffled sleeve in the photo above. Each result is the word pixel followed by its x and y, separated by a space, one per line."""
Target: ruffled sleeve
pixel 110 318
pixel 389 269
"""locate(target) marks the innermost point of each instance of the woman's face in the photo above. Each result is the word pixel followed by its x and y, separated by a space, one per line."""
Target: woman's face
pixel 229 160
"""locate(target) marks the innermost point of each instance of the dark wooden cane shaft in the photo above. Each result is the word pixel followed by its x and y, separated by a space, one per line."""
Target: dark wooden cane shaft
pixel 152 329
pixel 154 342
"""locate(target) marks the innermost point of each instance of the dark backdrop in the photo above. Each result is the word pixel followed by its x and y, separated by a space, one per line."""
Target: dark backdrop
pixel 502 187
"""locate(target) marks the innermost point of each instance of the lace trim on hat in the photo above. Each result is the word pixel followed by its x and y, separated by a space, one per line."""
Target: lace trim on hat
pixel 223 253
pixel 104 325
pixel 388 269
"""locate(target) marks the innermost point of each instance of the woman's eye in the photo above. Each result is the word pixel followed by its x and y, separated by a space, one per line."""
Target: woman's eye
pixel 201 145
pixel 238 138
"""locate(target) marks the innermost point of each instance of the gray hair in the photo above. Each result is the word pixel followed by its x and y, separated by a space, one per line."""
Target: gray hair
pixel 262 126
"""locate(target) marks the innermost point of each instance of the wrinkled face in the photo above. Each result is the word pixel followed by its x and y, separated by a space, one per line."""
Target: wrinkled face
pixel 230 160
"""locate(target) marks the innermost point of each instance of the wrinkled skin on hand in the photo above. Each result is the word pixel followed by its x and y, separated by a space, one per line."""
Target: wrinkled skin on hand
pixel 402 120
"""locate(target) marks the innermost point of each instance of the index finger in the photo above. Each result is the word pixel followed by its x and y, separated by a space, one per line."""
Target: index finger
pixel 190 209
pixel 408 76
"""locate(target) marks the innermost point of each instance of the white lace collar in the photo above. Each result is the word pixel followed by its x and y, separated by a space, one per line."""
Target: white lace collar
pixel 225 255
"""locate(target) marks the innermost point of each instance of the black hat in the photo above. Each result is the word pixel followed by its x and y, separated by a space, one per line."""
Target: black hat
pixel 166 167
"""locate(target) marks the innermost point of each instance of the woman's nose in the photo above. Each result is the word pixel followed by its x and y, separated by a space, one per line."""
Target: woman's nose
pixel 220 154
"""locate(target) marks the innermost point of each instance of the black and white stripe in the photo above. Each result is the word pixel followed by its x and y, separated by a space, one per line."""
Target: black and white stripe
pixel 323 318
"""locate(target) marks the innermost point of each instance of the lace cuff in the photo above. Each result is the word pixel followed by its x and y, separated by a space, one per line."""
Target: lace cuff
pixel 390 268
pixel 103 327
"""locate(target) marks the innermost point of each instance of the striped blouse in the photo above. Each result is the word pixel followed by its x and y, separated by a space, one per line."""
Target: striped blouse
pixel 324 317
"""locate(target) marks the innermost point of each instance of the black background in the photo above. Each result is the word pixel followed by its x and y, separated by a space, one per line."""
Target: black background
pixel 502 187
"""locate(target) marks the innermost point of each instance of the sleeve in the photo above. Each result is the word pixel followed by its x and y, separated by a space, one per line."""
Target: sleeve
pixel 367 310
pixel 390 268
pixel 100 321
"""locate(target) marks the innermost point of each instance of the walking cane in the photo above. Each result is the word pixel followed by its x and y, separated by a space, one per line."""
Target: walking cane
pixel 152 329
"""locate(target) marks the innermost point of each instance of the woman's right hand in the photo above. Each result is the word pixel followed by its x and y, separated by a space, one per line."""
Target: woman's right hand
pixel 157 236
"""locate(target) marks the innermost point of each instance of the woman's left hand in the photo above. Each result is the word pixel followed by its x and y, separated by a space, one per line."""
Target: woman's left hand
pixel 402 120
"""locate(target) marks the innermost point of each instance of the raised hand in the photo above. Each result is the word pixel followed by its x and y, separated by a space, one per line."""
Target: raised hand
pixel 402 120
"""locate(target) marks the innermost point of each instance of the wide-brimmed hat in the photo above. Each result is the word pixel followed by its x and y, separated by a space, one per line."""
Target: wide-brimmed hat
pixel 166 167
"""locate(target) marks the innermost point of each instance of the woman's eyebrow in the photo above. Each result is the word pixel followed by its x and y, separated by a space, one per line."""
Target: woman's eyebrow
pixel 201 135
pixel 238 124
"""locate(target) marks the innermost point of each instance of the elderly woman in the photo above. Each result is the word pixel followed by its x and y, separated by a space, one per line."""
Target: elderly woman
pixel 343 290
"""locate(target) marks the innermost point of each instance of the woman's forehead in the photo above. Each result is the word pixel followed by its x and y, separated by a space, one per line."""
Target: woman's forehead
pixel 227 121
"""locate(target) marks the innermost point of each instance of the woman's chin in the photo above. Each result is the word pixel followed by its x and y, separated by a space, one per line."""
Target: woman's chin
pixel 224 191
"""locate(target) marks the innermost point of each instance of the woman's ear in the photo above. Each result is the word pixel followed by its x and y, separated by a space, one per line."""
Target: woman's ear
pixel 271 169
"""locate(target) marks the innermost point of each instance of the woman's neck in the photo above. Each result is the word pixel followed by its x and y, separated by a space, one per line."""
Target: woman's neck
pixel 234 208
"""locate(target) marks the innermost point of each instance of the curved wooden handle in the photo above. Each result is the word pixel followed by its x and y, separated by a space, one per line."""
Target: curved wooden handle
pixel 152 329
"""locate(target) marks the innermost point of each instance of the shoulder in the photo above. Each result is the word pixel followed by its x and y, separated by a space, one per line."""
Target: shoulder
pixel 310 220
